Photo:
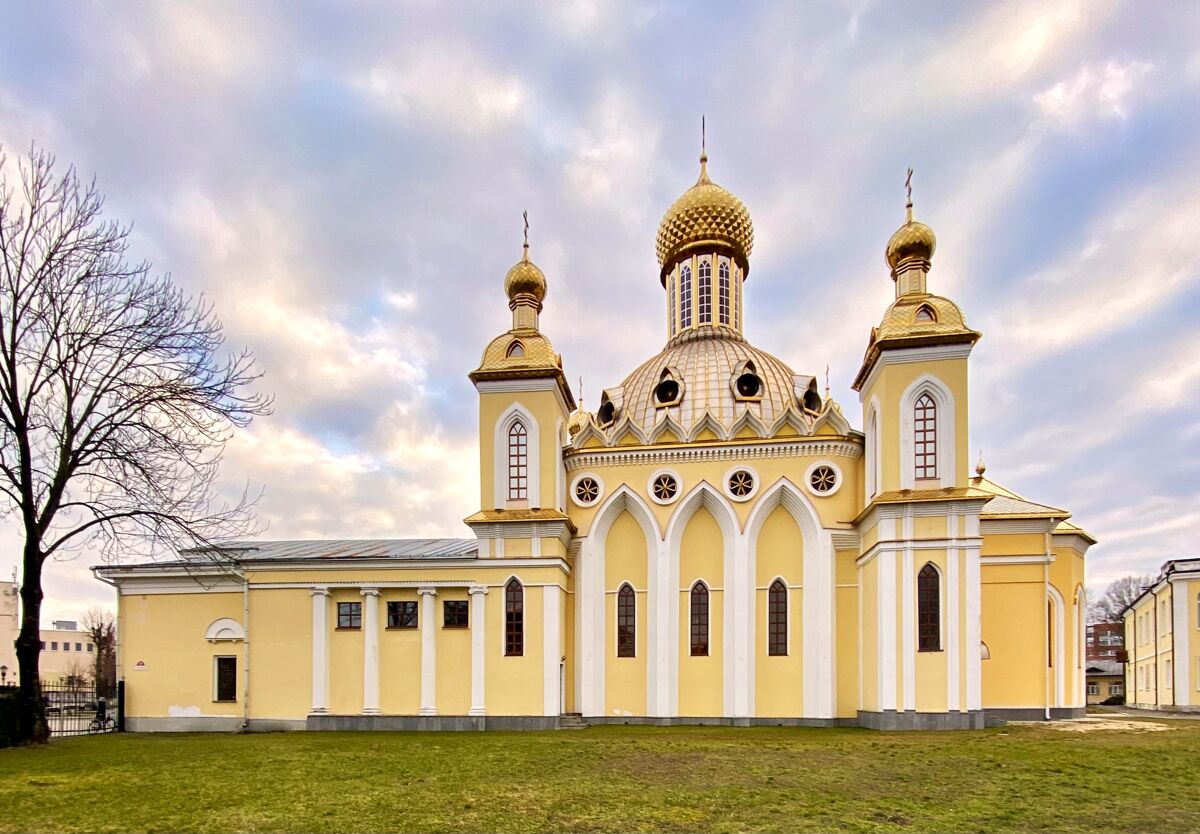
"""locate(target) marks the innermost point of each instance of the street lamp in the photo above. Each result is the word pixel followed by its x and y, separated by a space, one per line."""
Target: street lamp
pixel 3 676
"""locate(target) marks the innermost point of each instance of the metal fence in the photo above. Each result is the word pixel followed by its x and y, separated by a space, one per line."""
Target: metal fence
pixel 76 709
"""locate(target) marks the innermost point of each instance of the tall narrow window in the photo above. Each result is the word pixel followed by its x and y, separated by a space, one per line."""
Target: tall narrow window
pixel 777 616
pixel 514 619
pixel 626 622
pixel 685 296
pixel 699 620
pixel 226 679
pixel 929 614
pixel 925 437
pixel 518 461
pixel 704 292
pixel 723 293
pixel 671 311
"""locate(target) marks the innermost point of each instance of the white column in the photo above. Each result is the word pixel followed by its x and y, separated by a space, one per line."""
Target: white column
pixel 478 621
pixel 551 648
pixel 320 651
pixel 886 623
pixel 428 650
pixel 953 643
pixel 1180 631
pixel 908 617
pixel 974 636
pixel 370 651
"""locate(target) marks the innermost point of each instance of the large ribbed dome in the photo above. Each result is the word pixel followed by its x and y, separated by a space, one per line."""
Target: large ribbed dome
pixel 706 213
pixel 705 363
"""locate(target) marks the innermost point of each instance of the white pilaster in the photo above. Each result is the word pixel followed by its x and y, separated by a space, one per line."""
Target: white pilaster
pixel 370 651
pixel 428 624
pixel 908 616
pixel 1180 630
pixel 887 628
pixel 974 672
pixel 551 648
pixel 953 641
pixel 591 622
pixel 320 650
pixel 478 595
pixel 658 615
pixel 747 622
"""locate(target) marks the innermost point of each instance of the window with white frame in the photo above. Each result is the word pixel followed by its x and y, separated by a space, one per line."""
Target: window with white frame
pixel 685 296
pixel 925 437
pixel 518 461
pixel 723 293
pixel 1116 689
pixel 1093 688
pixel 704 292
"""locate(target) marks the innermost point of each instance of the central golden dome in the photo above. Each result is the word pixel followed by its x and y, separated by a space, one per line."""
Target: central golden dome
pixel 705 214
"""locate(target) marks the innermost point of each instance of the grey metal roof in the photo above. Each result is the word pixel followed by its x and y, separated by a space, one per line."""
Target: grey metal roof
pixel 1105 667
pixel 1008 505
pixel 286 550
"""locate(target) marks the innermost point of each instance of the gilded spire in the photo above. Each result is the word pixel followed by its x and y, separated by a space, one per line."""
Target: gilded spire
pixel 912 244
pixel 703 155
pixel 525 246
pixel 908 212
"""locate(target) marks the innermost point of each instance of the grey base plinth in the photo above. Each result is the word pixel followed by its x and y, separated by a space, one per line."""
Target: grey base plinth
pixel 719 721
pixel 432 722
pixel 912 720
pixel 997 717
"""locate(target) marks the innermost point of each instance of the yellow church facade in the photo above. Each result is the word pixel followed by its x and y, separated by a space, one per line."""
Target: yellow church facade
pixel 715 543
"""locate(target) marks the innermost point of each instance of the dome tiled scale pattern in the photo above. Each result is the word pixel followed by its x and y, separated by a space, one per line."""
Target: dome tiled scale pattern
pixel 914 238
pixel 705 213
pixel 706 364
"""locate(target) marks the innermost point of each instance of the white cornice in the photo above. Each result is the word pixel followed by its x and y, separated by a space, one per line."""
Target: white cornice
pixel 517 386
pixel 901 356
pixel 1076 542
pixel 576 459
pixel 1034 559
pixel 965 507
pixel 901 545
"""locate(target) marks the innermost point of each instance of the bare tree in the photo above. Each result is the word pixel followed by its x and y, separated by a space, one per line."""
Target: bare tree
pixel 1108 607
pixel 117 396
pixel 101 624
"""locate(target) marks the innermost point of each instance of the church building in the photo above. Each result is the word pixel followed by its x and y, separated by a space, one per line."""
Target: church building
pixel 715 543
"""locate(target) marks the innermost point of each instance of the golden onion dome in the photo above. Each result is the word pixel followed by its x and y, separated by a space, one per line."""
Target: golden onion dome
pixel 913 239
pixel 525 279
pixel 705 213
pixel 578 419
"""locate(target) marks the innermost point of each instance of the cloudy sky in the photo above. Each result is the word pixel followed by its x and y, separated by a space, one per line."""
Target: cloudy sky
pixel 346 182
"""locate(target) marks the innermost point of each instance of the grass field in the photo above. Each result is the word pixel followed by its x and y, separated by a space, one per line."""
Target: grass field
pixel 1023 778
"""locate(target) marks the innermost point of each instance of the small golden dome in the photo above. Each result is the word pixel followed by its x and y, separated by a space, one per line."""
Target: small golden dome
pixel 706 213
pixel 578 419
pixel 914 238
pixel 525 279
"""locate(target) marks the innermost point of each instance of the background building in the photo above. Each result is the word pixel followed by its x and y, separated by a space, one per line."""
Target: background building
pixel 1105 641
pixel 1162 640
pixel 1105 680
pixel 66 649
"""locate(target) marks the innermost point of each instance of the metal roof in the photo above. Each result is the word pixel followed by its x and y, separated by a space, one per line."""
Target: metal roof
pixel 287 550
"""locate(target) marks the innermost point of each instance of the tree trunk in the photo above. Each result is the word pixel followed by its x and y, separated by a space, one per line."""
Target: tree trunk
pixel 33 726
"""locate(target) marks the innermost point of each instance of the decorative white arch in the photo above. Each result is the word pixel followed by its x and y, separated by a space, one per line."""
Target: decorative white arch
pixel 512 414
pixel 1080 688
pixel 733 612
pixel 944 399
pixel 817 608
pixel 225 629
pixel 1056 684
pixel 873 459
pixel 590 610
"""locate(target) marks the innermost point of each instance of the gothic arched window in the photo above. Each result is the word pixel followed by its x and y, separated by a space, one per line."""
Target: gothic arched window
pixel 777 619
pixel 704 292
pixel 699 620
pixel 626 622
pixel 929 610
pixel 514 618
pixel 925 437
pixel 723 293
pixel 518 461
pixel 685 296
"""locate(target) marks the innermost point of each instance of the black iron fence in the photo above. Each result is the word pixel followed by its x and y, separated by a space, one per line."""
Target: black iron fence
pixel 77 708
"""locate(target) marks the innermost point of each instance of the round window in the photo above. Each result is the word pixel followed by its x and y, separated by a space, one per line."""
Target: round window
pixel 587 490
pixel 665 487
pixel 667 392
pixel 749 385
pixel 607 413
pixel 823 479
pixel 741 483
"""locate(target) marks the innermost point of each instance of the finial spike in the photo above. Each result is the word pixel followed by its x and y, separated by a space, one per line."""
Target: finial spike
pixel 826 381
pixel 703 137
pixel 908 208
pixel 980 467
pixel 525 217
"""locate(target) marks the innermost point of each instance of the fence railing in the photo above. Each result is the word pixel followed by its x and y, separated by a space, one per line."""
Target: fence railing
pixel 75 709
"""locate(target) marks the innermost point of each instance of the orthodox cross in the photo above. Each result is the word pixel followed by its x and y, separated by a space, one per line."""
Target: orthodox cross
pixel 525 216
pixel 908 189
pixel 703 138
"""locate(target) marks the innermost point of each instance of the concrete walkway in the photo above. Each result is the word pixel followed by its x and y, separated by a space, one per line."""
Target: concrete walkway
pixel 1130 712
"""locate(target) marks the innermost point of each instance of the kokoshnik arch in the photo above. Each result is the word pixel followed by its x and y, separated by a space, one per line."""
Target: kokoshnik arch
pixel 715 543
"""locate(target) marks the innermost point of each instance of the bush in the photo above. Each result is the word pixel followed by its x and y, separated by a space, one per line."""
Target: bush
pixel 9 717
pixel 1113 701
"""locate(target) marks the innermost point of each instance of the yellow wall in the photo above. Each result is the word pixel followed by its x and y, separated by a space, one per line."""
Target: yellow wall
pixel 1013 627
pixel 930 667
pixel 514 682
pixel 779 681
pixel 701 557
pixel 399 657
pixel 281 661
pixel 545 408
pixel 625 560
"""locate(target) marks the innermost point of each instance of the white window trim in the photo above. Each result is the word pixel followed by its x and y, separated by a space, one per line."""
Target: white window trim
pixel 838 478
pixel 944 400
pixel 741 498
pixel 873 462
pixel 223 630
pixel 575 482
pixel 650 486
pixel 500 498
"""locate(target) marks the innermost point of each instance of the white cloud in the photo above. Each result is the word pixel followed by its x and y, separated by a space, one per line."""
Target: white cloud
pixel 1097 91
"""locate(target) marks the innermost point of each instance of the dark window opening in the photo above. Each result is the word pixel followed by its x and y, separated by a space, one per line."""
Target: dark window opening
pixel 749 385
pixel 607 413
pixel 626 622
pixel 812 400
pixel 514 619
pixel 226 678
pixel 454 613
pixel 349 615
pixel 929 614
pixel 777 618
pixel 699 620
pixel 667 392
pixel 401 614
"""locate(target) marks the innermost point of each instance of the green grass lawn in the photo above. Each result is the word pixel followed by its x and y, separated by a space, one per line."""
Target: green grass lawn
pixel 1023 778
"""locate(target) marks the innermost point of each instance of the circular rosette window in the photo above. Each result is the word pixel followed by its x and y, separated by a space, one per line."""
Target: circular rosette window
pixel 664 486
pixel 823 478
pixel 587 489
pixel 741 483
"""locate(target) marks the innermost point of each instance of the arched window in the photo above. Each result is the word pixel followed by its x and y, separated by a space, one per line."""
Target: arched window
pixel 685 296
pixel 514 618
pixel 671 302
pixel 929 613
pixel 704 292
pixel 925 437
pixel 626 622
pixel 777 616
pixel 516 349
pixel 723 293
pixel 699 620
pixel 518 461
